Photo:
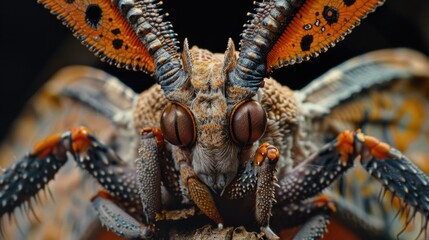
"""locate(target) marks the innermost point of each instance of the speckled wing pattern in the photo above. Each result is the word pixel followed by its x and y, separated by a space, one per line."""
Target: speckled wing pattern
pixel 386 94
pixel 55 108
pixel 317 26
pixel 101 27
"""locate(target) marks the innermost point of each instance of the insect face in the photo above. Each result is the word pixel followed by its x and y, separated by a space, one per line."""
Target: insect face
pixel 214 130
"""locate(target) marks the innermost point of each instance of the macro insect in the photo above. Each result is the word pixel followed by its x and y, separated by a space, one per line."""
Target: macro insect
pixel 216 137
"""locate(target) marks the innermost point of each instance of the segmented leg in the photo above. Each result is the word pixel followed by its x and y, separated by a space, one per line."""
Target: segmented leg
pixel 117 220
pixel 26 177
pixel 314 228
pixel 149 172
pixel 387 164
pixel 354 218
pixel 258 177
pixel 265 159
pixel 312 216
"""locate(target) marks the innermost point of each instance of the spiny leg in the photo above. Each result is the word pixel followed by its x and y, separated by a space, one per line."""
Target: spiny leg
pixel 152 159
pixel 312 216
pixel 356 219
pixel 30 174
pixel 117 219
pixel 265 159
pixel 257 177
pixel 25 178
pixel 387 164
pixel 149 172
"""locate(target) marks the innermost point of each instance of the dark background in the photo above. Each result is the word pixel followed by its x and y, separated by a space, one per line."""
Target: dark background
pixel 34 44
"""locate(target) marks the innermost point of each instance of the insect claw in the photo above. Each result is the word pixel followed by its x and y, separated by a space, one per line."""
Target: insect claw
pixel 269 234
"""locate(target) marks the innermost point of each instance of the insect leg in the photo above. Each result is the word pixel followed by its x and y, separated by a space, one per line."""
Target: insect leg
pixel 395 172
pixel 388 165
pixel 313 215
pixel 313 175
pixel 24 179
pixel 149 172
pixel 30 174
pixel 117 220
pixel 265 159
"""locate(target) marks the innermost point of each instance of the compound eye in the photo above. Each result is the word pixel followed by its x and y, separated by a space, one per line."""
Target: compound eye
pixel 178 125
pixel 248 122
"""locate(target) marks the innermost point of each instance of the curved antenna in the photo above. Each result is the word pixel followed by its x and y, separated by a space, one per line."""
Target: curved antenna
pixel 125 33
pixel 284 32
pixel 159 39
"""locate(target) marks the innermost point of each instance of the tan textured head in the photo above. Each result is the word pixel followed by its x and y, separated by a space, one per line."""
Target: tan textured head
pixel 201 114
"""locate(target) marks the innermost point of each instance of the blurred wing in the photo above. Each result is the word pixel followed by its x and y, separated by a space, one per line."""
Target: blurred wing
pixel 386 94
pixel 101 27
pixel 76 96
pixel 317 26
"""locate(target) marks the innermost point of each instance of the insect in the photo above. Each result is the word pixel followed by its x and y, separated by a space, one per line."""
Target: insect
pixel 219 138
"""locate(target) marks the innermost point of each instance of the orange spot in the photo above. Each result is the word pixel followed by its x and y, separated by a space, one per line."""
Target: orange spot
pixel 44 147
pixel 158 137
pixel 377 149
pixel 323 200
pixel 273 154
pixel 317 24
pixel 261 153
pixel 371 141
pixel 345 145
pixel 103 30
pixel 103 194
pixel 80 139
pixel 157 133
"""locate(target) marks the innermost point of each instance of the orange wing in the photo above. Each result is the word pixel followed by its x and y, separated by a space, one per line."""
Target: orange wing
pixel 318 25
pixel 104 31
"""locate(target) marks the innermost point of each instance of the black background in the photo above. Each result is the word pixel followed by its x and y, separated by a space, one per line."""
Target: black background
pixel 34 44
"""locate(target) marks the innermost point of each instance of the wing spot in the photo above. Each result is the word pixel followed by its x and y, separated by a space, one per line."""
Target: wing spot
pixel 69 1
pixel 306 42
pixel 348 3
pixel 93 15
pixel 307 26
pixel 116 31
pixel 330 14
pixel 117 43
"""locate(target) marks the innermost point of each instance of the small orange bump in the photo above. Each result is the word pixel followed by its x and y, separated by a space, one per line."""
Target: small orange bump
pixel 44 147
pixel 158 136
pixel 80 139
pixel 103 194
pixel 371 141
pixel 261 153
pixel 273 154
pixel 145 131
pixel 153 132
pixel 324 200
pixel 345 145
pixel 379 150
